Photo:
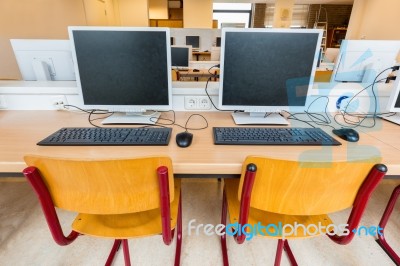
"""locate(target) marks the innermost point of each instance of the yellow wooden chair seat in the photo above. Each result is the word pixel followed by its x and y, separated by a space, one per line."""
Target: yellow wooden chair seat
pixel 123 226
pixel 114 198
pixel 273 194
pixel 266 218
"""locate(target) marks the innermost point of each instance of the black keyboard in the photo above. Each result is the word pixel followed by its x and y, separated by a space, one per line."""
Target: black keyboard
pixel 92 136
pixel 272 136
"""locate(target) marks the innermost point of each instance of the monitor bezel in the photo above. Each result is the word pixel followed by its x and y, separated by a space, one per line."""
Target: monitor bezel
pixel 265 109
pixel 394 95
pixel 59 51
pixel 122 108
pixel 190 54
pixel 375 66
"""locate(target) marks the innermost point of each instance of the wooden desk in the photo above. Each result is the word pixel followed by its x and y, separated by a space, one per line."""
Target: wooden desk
pixel 207 55
pixel 21 130
pixel 202 73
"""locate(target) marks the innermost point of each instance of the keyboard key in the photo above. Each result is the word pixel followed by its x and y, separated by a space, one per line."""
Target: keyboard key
pixel 107 136
pixel 272 136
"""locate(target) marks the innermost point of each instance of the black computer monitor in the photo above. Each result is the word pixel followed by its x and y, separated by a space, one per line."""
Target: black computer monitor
pixel 218 42
pixel 180 56
pixel 265 71
pixel 123 69
pixel 194 41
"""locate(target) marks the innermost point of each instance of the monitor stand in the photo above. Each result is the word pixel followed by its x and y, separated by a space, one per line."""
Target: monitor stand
pixel 148 117
pixel 393 118
pixel 244 118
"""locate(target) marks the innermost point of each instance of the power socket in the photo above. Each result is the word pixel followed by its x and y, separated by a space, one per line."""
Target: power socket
pixel 197 103
pixel 58 102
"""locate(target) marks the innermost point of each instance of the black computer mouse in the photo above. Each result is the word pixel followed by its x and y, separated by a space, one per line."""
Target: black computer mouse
pixel 348 134
pixel 196 70
pixel 184 139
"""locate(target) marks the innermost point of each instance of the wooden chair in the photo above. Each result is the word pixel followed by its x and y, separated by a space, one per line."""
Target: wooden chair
pixel 382 224
pixel 117 199
pixel 272 191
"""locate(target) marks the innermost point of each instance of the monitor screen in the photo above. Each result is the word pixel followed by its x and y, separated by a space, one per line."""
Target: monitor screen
pixel 44 59
pixel 123 69
pixel 194 41
pixel 267 70
pixel 218 42
pixel 180 56
pixel 363 60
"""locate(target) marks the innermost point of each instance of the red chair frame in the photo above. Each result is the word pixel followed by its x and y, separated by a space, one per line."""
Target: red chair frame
pixel 384 220
pixel 376 174
pixel 34 177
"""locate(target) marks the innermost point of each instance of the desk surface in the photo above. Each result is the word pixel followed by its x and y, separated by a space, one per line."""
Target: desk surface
pixel 21 130
pixel 201 73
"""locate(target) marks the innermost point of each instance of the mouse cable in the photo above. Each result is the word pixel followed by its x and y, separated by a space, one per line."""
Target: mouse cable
pixel 372 90
pixel 172 122
pixel 91 112
pixel 206 88
pixel 209 97
pixel 360 118
pixel 201 128
pixel 316 118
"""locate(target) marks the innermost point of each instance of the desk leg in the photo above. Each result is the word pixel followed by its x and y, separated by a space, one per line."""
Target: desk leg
pixel 385 217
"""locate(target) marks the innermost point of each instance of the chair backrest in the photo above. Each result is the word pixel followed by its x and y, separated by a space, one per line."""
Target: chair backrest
pixel 305 188
pixel 103 186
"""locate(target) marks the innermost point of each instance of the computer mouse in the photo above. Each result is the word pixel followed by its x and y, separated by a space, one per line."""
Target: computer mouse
pixel 348 134
pixel 196 70
pixel 184 139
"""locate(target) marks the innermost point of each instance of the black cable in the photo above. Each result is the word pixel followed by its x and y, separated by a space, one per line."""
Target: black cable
pixel 173 123
pixel 208 95
pixel 358 123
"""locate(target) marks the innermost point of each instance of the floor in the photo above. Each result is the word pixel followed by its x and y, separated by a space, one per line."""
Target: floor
pixel 26 240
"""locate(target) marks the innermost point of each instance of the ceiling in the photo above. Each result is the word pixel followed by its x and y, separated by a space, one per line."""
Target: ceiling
pixel 332 2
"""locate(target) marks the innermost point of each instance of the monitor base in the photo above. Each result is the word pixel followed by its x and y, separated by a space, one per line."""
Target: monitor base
pixel 261 118
pixel 394 118
pixel 148 118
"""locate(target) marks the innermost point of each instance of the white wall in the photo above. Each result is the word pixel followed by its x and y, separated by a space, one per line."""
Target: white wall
pixel 197 14
pixel 283 13
pixel 158 9
pixel 133 12
pixel 208 37
pixel 34 95
pixel 374 20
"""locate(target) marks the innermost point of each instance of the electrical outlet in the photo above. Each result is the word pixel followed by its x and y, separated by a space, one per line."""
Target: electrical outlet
pixel 197 103
pixel 3 104
pixel 58 102
pixel 190 103
pixel 204 103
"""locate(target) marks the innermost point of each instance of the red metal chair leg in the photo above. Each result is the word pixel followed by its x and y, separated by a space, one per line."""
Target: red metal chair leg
pixel 279 250
pixel 289 253
pixel 179 234
pixel 125 248
pixel 117 244
pixel 223 236
pixel 385 218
